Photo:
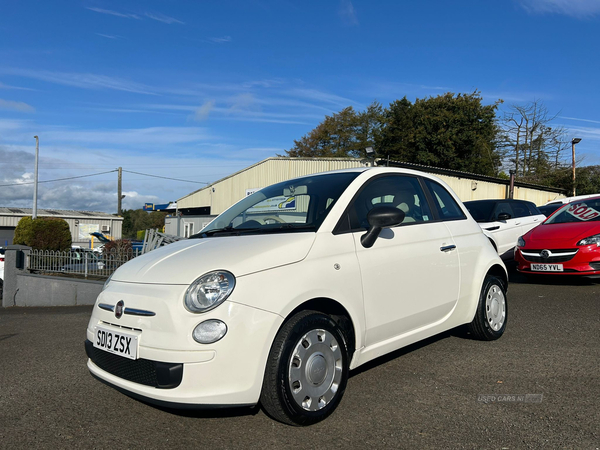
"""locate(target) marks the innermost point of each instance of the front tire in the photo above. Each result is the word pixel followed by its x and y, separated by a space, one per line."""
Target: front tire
pixel 492 311
pixel 307 370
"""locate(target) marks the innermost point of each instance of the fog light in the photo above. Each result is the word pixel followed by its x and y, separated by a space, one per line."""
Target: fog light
pixel 209 331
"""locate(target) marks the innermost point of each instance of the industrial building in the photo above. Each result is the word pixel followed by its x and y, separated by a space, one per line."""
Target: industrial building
pixel 196 210
pixel 81 223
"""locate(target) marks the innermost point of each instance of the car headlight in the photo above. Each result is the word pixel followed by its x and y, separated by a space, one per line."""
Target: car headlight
pixel 595 239
pixel 520 242
pixel 209 291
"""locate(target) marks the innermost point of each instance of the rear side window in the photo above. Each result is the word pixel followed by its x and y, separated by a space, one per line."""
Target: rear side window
pixel 503 208
pixel 534 211
pixel 447 207
pixel 520 209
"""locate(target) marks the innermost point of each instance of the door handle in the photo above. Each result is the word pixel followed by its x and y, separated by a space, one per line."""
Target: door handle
pixel 447 248
pixel 517 223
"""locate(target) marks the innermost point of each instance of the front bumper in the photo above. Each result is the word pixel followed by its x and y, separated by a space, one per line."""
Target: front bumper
pixel 172 369
pixel 586 262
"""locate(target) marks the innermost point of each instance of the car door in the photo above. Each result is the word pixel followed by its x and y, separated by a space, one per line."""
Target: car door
pixel 529 215
pixel 506 231
pixel 410 276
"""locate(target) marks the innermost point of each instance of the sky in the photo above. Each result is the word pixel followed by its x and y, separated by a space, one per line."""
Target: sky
pixel 197 90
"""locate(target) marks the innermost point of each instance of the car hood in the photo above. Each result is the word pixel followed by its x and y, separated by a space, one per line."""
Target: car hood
pixel 183 261
pixel 560 235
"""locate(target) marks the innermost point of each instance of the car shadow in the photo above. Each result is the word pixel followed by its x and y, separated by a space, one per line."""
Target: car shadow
pixel 456 332
pixel 211 413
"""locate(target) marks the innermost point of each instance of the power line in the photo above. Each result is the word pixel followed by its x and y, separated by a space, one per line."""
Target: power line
pixel 166 178
pixel 59 179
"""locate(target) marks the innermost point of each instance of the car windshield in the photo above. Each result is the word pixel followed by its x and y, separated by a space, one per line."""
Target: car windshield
pixel 584 211
pixel 481 211
pixel 296 205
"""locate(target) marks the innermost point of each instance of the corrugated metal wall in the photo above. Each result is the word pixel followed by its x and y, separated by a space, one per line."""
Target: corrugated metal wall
pixel 114 225
pixel 467 189
pixel 224 193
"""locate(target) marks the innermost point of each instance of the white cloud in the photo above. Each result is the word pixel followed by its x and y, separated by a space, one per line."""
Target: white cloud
pixel 325 97
pixel 581 120
pixel 244 102
pixel 16 106
pixel 162 18
pixel 114 13
pixel 107 36
pixel 6 86
pixel 220 40
pixel 135 137
pixel 82 80
pixel 573 8
pixel 347 12
pixel 202 112
pixel 586 132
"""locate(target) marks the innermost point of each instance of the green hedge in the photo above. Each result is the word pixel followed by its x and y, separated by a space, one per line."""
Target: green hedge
pixel 43 233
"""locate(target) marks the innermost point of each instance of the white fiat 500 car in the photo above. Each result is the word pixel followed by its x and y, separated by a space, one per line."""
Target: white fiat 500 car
pixel 278 298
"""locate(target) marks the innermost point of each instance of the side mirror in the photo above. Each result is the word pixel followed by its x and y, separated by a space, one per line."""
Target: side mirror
pixel 504 216
pixel 379 218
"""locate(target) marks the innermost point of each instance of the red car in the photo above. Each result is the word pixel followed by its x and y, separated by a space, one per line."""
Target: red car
pixel 566 243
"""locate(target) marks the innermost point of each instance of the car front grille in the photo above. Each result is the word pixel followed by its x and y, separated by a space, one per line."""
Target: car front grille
pixel 142 371
pixel 555 256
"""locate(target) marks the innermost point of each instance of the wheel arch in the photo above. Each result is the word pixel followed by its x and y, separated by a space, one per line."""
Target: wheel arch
pixel 500 272
pixel 337 312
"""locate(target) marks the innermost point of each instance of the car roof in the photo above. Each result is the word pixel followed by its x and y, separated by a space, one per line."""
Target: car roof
pixel 566 200
pixel 494 200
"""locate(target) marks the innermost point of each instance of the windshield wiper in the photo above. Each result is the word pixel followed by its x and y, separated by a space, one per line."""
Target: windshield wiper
pixel 265 230
pixel 203 234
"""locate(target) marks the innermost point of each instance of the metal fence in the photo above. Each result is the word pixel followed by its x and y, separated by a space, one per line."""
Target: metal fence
pixel 79 262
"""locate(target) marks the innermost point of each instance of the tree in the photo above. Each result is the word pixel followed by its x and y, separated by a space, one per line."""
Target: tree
pixel 453 131
pixel 43 233
pixel 532 147
pixel 587 180
pixel 135 220
pixel 344 134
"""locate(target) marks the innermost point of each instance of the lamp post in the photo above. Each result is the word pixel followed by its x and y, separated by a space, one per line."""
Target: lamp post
pixel 35 178
pixel 573 142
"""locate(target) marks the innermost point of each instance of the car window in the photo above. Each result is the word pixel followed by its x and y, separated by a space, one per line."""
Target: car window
pixel 585 211
pixel 480 210
pixel 398 191
pixel 533 210
pixel 300 204
pixel 547 210
pixel 503 208
pixel 447 207
pixel 520 209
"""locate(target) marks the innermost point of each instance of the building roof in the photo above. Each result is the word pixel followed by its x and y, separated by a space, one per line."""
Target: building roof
pixel 469 175
pixel 273 158
pixel 18 211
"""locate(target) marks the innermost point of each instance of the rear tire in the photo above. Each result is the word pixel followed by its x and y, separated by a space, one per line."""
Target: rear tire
pixel 489 322
pixel 307 370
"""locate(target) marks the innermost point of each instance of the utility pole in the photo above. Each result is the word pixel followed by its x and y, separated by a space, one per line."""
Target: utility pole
pixel 119 192
pixel 35 179
pixel 573 142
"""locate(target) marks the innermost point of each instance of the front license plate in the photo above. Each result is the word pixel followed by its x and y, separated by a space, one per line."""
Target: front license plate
pixel 117 342
pixel 547 267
